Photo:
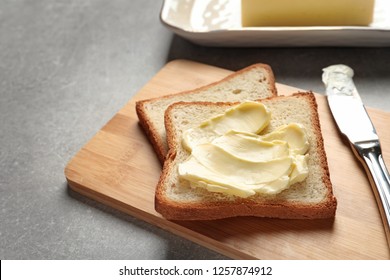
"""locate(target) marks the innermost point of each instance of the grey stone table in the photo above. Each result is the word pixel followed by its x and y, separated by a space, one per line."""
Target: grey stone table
pixel 66 67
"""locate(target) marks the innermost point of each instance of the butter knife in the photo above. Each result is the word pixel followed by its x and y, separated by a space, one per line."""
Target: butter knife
pixel 353 121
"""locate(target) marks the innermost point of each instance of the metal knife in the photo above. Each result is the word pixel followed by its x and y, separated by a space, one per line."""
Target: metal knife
pixel 354 122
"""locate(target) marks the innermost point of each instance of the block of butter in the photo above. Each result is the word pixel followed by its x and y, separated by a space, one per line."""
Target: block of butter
pixel 306 12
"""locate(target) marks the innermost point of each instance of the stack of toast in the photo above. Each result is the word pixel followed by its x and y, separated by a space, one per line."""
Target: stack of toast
pixel 164 120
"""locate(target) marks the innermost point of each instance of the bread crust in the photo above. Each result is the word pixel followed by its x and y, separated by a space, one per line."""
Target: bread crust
pixel 271 207
pixel 150 127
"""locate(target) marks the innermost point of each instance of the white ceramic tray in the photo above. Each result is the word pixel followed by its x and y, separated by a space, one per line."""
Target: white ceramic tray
pixel 218 23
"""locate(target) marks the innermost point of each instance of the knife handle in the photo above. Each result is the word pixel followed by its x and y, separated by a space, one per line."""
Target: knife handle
pixel 370 155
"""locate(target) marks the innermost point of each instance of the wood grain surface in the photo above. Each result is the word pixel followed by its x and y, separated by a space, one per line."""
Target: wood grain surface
pixel 119 168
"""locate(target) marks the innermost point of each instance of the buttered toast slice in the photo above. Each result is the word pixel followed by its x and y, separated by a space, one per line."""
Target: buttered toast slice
pixel 251 83
pixel 311 199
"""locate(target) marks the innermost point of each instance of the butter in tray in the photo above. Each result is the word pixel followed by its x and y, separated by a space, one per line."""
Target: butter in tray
pixel 307 12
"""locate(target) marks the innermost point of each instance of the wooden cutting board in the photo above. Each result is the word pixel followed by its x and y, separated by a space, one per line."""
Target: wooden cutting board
pixel 119 168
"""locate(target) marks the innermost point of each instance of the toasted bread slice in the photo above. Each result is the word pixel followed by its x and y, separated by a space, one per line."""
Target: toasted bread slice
pixel 310 199
pixel 251 83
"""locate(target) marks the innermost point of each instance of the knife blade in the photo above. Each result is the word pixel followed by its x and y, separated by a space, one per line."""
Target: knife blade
pixel 354 122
